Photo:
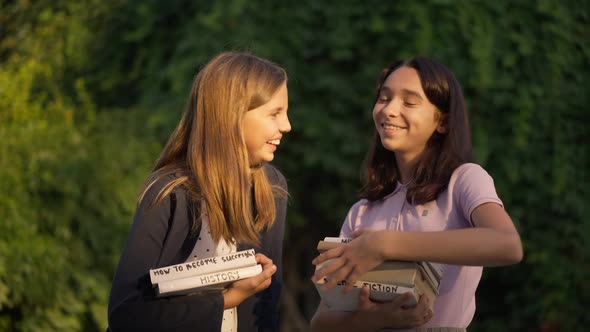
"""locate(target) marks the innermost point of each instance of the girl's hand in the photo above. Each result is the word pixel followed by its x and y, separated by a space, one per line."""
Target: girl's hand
pixel 351 260
pixel 240 290
pixel 394 314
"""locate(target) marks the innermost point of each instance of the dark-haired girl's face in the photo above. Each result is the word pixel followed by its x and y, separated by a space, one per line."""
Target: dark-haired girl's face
pixel 404 117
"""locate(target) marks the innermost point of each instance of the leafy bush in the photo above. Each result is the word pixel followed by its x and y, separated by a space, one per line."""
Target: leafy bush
pixel 91 90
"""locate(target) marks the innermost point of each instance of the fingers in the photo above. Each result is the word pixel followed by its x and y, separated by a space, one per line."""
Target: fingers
pixel 340 274
pixel 422 318
pixel 421 313
pixel 359 232
pixel 262 259
pixel 423 304
pixel 338 267
pixel 326 255
pixel 351 280
pixel 399 301
pixel 271 270
pixel 265 277
pixel 267 271
pixel 365 302
pixel 261 281
pixel 329 267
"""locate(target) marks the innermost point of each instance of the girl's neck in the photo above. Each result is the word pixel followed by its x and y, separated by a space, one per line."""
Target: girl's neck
pixel 405 167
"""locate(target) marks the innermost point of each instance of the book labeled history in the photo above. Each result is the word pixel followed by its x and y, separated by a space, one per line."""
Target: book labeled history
pixel 206 282
pixel 207 265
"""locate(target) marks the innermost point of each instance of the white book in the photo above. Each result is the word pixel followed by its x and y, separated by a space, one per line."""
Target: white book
pixel 338 239
pixel 206 282
pixel 234 260
pixel 336 299
pixel 438 269
pixel 433 272
pixel 429 275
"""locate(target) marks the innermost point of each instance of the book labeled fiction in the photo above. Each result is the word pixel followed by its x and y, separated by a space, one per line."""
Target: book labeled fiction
pixel 336 299
pixel 207 265
pixel 386 281
pixel 432 272
pixel 384 284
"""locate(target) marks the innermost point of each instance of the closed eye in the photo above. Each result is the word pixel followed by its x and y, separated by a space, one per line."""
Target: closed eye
pixel 383 99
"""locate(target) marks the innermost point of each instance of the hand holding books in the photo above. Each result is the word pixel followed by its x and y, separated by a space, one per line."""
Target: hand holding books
pixel 239 290
pixel 386 282
pixel 239 275
pixel 351 260
pixel 396 312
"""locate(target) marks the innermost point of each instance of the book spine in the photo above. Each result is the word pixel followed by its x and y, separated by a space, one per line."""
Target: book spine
pixel 336 299
pixel 438 269
pixel 203 266
pixel 429 275
pixel 386 292
pixel 424 289
pixel 338 239
pixel 201 281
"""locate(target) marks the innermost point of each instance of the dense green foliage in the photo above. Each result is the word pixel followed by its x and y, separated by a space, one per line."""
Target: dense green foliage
pixel 90 90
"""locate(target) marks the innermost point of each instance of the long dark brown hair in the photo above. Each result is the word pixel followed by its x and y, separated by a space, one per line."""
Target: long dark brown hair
pixel 444 152
pixel 207 154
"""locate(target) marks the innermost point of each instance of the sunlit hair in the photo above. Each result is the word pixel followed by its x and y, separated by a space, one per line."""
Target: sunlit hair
pixel 444 152
pixel 207 154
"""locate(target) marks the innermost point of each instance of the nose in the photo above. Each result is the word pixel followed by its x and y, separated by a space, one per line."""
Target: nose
pixel 392 108
pixel 285 125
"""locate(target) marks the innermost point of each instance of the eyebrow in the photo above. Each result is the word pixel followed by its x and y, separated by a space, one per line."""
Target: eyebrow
pixel 277 109
pixel 404 92
pixel 412 93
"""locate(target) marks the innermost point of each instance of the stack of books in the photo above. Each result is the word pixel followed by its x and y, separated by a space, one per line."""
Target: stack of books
pixel 387 281
pixel 207 274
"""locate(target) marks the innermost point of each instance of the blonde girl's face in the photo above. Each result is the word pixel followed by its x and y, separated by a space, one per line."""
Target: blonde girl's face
pixel 264 126
pixel 404 117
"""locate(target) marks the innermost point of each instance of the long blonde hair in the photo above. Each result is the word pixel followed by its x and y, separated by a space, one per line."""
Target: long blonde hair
pixel 207 154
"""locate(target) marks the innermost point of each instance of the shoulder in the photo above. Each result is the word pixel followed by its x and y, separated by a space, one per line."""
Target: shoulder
pixel 359 207
pixel 468 173
pixel 353 219
pixel 156 193
pixel 275 176
pixel 471 185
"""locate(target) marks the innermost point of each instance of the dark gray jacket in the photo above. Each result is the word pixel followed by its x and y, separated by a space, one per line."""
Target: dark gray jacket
pixel 159 237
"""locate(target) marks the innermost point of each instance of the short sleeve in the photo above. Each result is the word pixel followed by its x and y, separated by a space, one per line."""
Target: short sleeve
pixel 472 186
pixel 348 226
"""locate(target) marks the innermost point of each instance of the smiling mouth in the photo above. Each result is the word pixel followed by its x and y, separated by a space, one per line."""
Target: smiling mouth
pixel 274 142
pixel 387 126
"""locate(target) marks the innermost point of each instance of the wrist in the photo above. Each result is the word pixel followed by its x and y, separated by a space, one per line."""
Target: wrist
pixel 385 237
pixel 231 298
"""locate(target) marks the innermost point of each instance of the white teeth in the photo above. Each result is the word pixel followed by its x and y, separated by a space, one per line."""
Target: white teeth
pixel 275 142
pixel 392 127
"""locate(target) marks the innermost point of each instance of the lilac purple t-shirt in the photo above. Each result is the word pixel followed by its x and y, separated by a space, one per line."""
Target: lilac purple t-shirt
pixel 469 186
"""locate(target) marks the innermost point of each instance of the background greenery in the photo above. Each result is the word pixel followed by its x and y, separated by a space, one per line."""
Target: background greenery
pixel 91 89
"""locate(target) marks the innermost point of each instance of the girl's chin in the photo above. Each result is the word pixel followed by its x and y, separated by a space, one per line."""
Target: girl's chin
pixel 262 159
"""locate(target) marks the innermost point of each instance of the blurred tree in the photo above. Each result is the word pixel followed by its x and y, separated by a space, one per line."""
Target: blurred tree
pixel 90 90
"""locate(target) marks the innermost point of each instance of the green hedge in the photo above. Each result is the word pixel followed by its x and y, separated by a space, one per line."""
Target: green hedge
pixel 90 90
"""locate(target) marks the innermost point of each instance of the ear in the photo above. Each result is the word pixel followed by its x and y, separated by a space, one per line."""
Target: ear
pixel 442 124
